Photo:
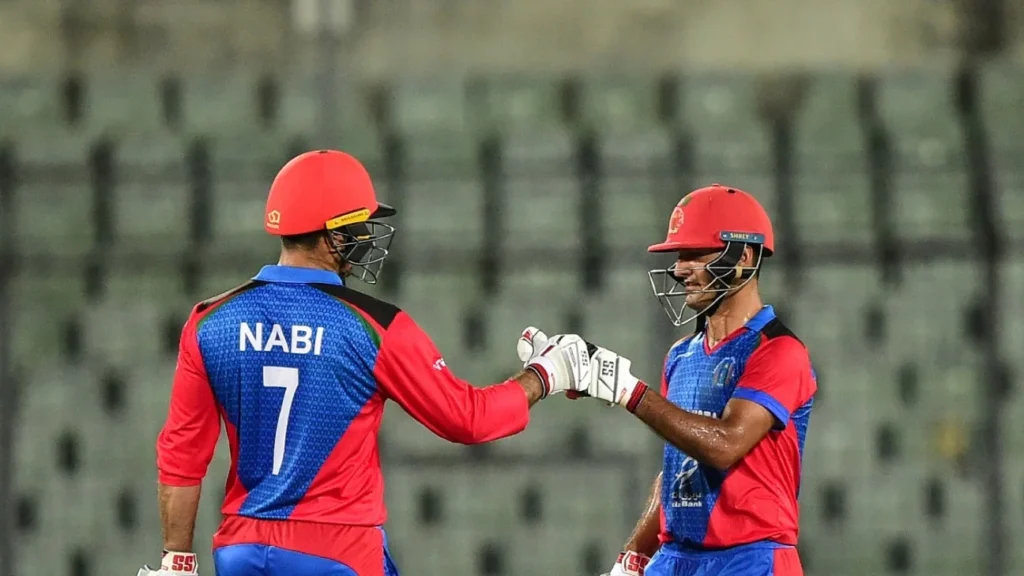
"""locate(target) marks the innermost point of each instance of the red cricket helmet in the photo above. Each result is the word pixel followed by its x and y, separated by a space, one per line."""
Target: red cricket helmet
pixel 712 218
pixel 321 190
pixel 330 191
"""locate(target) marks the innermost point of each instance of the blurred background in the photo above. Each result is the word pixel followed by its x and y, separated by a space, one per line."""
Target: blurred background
pixel 534 149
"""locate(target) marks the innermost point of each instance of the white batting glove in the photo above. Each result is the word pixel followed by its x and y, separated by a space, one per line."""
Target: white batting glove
pixel 611 381
pixel 530 344
pixel 174 564
pixel 629 564
pixel 562 364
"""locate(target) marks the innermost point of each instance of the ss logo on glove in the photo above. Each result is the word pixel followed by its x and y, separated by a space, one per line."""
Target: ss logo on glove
pixel 608 368
pixel 183 562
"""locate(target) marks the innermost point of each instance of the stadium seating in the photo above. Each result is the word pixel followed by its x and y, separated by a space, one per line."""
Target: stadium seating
pixel 53 208
pixel 1000 85
pixel 527 170
pixel 124 102
pixel 30 102
pixel 930 193
pixel 152 202
pixel 614 105
pixel 832 202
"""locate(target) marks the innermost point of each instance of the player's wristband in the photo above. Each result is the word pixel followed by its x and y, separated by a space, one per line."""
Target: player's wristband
pixel 543 368
pixel 638 394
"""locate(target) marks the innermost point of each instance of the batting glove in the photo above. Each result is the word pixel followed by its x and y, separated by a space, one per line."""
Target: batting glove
pixel 611 380
pixel 530 344
pixel 174 564
pixel 562 364
pixel 629 564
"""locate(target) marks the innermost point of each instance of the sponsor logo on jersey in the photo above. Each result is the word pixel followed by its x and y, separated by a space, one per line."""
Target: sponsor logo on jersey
pixel 687 486
pixel 685 491
pixel 295 339
pixel 439 364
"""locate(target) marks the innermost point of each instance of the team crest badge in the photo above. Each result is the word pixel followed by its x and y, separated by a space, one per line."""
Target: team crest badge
pixel 723 373
pixel 675 222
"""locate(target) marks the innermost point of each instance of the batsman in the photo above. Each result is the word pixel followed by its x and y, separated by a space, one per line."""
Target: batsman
pixel 296 365
pixel 734 405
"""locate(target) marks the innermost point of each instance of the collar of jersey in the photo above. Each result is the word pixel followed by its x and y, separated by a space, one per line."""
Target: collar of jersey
pixel 756 323
pixel 296 275
pixel 761 319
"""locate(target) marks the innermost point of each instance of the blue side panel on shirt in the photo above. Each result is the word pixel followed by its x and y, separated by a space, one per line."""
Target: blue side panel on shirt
pixel 703 384
pixel 332 386
pixel 802 419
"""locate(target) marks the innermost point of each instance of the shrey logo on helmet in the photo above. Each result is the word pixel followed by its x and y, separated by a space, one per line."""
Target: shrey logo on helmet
pixel 331 192
pixel 719 219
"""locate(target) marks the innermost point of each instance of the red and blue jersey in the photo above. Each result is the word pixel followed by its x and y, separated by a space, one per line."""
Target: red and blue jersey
pixel 756 499
pixel 298 366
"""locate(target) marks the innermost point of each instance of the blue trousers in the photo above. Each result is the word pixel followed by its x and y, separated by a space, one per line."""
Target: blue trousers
pixel 759 559
pixel 263 560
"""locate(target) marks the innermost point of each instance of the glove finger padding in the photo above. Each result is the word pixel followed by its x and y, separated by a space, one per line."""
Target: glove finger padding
pixel 563 364
pixel 530 343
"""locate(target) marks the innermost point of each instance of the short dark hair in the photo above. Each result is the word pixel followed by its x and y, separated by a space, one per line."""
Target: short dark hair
pixel 307 241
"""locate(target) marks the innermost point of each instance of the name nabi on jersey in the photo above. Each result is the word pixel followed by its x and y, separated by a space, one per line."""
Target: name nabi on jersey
pixel 302 340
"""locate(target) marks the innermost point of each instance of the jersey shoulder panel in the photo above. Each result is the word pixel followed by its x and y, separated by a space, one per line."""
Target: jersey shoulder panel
pixel 776 329
pixel 210 303
pixel 383 313
pixel 782 344
pixel 681 342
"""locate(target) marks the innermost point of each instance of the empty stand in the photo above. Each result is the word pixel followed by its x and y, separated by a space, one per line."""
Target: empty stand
pixel 28 102
pixel 617 104
pixel 638 189
pixel 153 197
pixel 432 104
pixel 126 102
pixel 517 102
pixel 929 190
pixel 54 201
pixel 1001 85
pixel 106 276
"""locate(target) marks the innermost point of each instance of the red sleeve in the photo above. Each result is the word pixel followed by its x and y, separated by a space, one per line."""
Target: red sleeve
pixel 411 372
pixel 186 444
pixel 778 376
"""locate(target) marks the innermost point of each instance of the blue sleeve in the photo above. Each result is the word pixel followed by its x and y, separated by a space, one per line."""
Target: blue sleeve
pixel 768 401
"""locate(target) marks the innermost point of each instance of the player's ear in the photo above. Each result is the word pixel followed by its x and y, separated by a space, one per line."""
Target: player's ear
pixel 748 258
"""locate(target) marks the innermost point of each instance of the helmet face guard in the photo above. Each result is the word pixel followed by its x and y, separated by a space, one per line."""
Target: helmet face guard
pixel 364 245
pixel 726 276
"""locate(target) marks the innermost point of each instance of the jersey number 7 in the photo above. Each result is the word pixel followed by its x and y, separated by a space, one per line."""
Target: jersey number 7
pixel 287 378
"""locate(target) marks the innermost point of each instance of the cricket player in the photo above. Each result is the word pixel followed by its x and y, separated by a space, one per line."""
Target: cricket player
pixel 297 365
pixel 735 401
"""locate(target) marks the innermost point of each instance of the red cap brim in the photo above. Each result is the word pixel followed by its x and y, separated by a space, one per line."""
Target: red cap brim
pixel 665 247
